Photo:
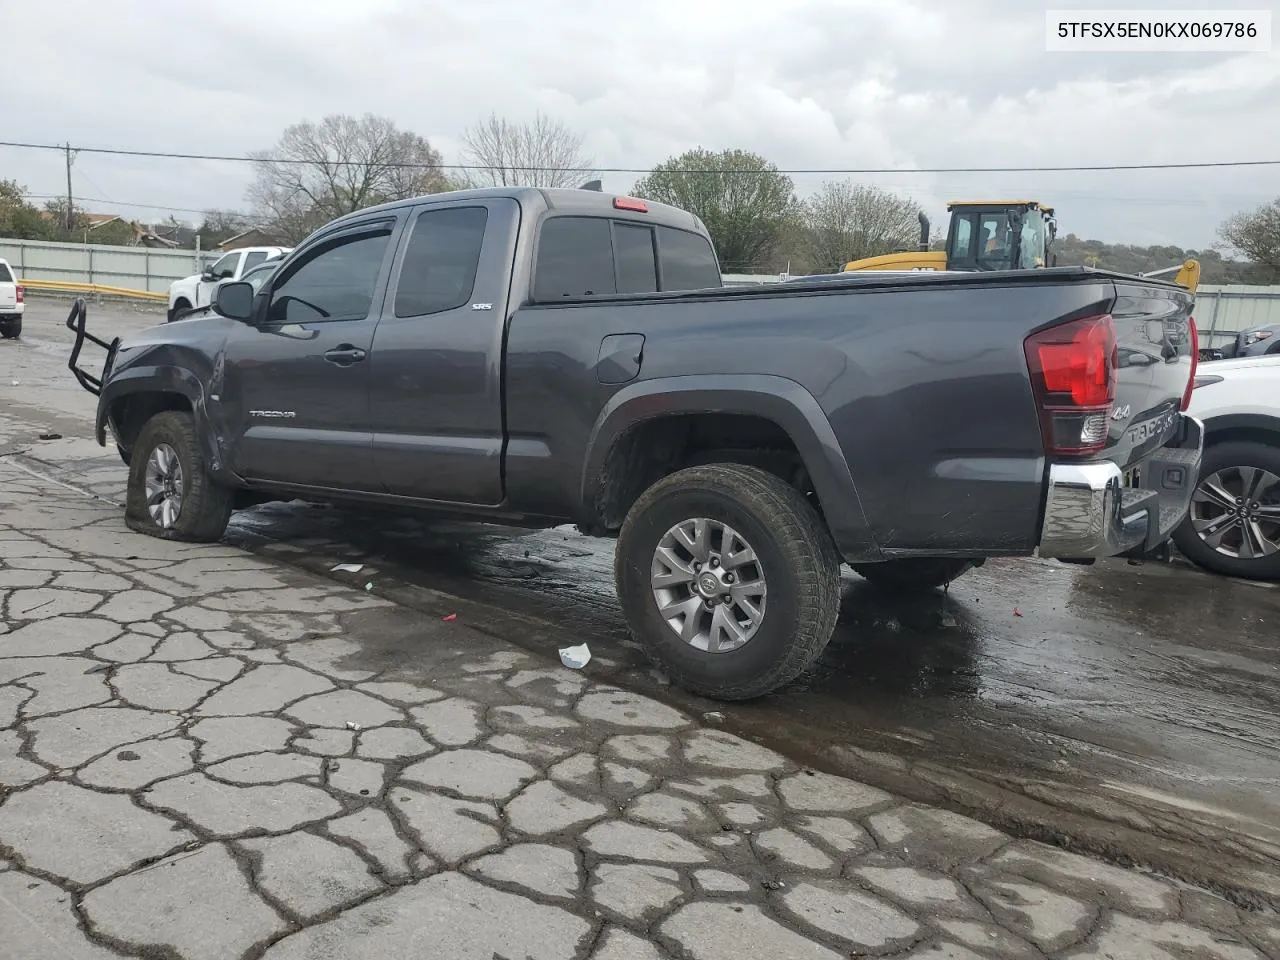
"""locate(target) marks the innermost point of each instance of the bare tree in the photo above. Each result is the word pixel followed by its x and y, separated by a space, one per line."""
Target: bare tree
pixel 540 153
pixel 1256 235
pixel 321 171
pixel 846 221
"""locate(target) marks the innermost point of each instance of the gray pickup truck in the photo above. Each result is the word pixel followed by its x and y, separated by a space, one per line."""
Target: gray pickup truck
pixel 541 357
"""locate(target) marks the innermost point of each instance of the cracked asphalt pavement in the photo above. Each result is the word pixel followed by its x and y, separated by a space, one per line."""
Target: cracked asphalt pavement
pixel 207 752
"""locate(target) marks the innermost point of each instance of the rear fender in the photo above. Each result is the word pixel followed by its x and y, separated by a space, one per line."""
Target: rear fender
pixel 784 402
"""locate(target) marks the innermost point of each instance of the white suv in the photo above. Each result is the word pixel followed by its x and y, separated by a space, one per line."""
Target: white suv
pixel 1233 527
pixel 11 305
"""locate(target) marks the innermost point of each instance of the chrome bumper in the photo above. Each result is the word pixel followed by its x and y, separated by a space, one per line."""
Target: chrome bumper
pixel 1090 511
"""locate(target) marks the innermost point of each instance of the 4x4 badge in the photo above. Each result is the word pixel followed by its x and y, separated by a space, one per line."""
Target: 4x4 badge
pixel 1120 413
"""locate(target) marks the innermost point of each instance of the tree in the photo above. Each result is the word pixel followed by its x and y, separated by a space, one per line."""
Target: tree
pixel 19 219
pixel 541 153
pixel 219 225
pixel 846 221
pixel 1256 235
pixel 743 199
pixel 319 171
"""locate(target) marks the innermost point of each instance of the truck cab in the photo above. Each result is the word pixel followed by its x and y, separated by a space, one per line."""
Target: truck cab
pixel 194 292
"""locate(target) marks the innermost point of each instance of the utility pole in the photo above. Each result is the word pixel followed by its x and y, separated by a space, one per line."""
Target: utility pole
pixel 71 210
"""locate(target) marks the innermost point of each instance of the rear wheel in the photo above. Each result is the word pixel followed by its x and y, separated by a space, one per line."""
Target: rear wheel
pixel 729 579
pixel 914 573
pixel 11 329
pixel 1233 526
pixel 171 495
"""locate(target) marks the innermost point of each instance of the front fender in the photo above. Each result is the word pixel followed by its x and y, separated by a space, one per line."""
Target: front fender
pixel 783 401
pixel 161 380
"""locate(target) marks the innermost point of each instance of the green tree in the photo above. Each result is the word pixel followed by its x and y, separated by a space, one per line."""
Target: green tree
pixel 320 171
pixel 846 221
pixel 20 220
pixel 1257 236
pixel 746 203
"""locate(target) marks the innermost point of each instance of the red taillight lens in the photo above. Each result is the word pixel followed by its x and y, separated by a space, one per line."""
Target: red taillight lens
pixel 1073 374
pixel 1195 363
pixel 20 293
pixel 630 203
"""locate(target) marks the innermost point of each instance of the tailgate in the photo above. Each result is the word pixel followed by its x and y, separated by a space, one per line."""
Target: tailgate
pixel 8 295
pixel 1156 354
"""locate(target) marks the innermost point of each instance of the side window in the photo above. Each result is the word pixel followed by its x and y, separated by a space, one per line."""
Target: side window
pixel 964 238
pixel 251 260
pixel 440 263
pixel 575 259
pixel 633 253
pixel 226 266
pixel 335 283
pixel 688 262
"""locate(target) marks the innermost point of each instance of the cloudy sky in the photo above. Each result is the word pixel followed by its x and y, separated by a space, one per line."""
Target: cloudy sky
pixel 907 85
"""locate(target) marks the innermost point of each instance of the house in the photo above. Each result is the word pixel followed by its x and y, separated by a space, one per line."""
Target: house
pixel 253 237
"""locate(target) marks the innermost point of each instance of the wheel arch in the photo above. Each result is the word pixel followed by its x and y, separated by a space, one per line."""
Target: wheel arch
pixel 643 434
pixel 1247 427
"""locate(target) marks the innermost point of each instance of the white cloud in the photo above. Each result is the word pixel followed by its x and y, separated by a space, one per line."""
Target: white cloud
pixel 810 84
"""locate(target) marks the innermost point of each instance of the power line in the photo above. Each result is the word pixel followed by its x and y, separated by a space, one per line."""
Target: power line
pixel 1085 168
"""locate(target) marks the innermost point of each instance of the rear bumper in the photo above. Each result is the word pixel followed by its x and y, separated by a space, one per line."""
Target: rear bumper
pixel 12 313
pixel 1092 512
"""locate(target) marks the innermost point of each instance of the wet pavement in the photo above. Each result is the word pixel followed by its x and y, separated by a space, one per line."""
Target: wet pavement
pixel 1131 711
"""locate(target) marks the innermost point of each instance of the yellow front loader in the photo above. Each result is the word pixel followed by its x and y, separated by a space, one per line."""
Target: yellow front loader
pixel 994 235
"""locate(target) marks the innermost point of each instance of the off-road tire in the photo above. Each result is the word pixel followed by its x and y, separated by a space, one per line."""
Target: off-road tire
pixel 914 573
pixel 206 507
pixel 1217 457
pixel 797 557
pixel 11 329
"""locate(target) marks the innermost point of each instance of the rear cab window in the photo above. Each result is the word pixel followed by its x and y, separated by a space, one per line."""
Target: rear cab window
pixel 5 275
pixel 585 256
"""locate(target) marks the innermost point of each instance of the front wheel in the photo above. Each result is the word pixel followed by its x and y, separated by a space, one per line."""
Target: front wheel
pixel 729 579
pixel 171 494
pixel 1233 526
pixel 914 573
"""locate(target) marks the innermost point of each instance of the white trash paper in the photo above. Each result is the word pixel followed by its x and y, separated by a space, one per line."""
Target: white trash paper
pixel 575 658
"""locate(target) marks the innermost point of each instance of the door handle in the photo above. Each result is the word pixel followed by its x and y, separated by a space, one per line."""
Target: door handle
pixel 344 355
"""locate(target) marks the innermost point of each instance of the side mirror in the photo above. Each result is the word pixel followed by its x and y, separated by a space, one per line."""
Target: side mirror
pixel 207 276
pixel 235 301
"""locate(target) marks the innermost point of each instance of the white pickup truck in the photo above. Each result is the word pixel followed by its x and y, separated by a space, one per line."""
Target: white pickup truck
pixel 11 305
pixel 191 293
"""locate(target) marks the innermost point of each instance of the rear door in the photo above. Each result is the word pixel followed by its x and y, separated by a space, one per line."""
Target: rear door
pixel 297 385
pixel 8 288
pixel 436 405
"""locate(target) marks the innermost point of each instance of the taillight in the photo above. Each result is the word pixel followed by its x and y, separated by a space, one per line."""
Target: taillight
pixel 1073 374
pixel 20 292
pixel 1195 363
pixel 630 203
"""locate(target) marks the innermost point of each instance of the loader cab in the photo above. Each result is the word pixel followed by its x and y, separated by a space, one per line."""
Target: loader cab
pixel 1000 235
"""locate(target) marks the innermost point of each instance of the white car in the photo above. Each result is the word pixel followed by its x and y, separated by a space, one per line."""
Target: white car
pixel 194 292
pixel 1233 527
pixel 11 305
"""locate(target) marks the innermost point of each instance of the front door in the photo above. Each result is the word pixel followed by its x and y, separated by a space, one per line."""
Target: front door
pixel 437 359
pixel 224 269
pixel 297 383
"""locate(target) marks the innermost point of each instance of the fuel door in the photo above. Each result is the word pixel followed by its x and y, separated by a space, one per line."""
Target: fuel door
pixel 620 357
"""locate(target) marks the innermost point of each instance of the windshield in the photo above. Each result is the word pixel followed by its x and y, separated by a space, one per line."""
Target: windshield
pixel 259 276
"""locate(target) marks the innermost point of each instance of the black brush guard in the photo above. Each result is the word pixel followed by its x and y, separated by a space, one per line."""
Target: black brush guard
pixel 76 324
